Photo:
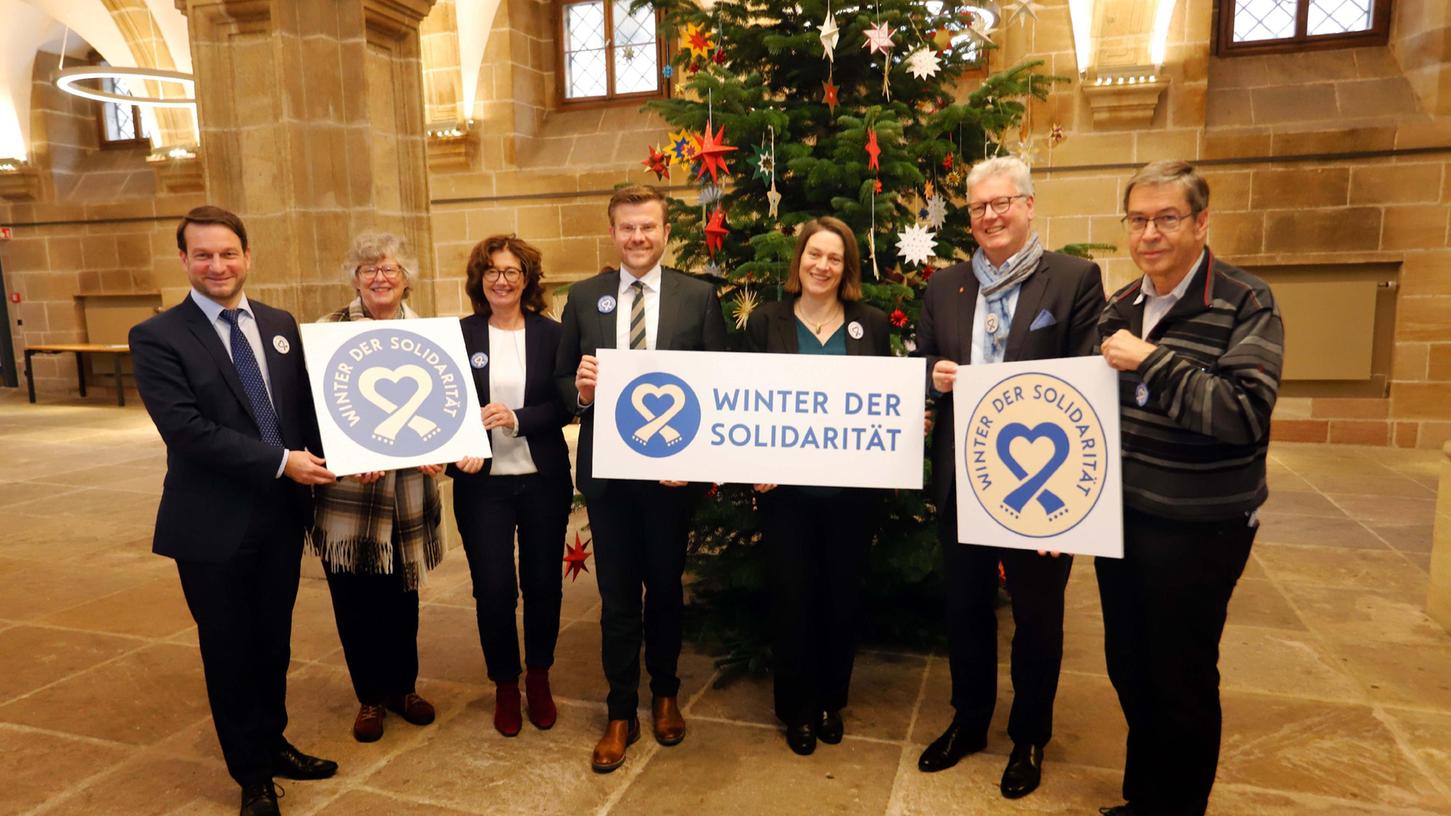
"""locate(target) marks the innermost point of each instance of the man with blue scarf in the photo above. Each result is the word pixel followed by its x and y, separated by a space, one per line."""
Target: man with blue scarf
pixel 1012 302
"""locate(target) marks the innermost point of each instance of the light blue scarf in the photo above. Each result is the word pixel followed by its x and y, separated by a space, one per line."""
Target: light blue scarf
pixel 995 288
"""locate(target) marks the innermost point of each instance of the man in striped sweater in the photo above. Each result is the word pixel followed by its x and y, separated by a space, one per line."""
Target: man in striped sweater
pixel 1199 345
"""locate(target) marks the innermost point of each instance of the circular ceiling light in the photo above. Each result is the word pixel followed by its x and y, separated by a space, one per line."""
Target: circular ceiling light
pixel 67 81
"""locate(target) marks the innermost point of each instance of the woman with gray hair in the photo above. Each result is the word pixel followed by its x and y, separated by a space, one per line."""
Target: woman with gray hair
pixel 378 533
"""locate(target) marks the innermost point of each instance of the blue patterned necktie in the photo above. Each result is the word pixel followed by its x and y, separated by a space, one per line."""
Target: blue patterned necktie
pixel 251 376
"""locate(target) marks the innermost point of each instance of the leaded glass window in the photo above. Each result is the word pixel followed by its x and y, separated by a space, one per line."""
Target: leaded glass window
pixel 1260 26
pixel 608 50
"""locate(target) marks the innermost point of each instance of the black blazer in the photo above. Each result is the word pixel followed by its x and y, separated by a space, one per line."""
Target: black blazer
pixel 690 320
pixel 772 328
pixel 543 415
pixel 219 473
pixel 1067 287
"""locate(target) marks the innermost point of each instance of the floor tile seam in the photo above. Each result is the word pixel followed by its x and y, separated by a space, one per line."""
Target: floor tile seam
pixel 927 667
pixel 153 492
pixel 99 598
pixel 1403 555
pixel 52 804
pixel 1408 751
pixel 394 795
pixel 79 672
pixel 1323 800
pixel 1364 525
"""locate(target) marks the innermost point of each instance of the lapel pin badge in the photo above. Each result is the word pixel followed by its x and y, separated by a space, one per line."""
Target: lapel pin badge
pixel 280 343
pixel 606 304
pixel 479 359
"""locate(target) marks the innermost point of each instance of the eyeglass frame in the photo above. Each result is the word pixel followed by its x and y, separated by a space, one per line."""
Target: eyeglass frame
pixel 370 272
pixel 979 210
pixel 493 273
pixel 1178 221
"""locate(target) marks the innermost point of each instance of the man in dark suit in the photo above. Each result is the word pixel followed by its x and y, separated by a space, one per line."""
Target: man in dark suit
pixel 224 381
pixel 1012 302
pixel 639 527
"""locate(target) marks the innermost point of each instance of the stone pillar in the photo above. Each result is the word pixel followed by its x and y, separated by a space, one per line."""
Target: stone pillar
pixel 312 130
pixel 1438 595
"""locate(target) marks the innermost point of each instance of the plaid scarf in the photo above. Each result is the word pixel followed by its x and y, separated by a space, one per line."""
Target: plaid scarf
pixel 356 525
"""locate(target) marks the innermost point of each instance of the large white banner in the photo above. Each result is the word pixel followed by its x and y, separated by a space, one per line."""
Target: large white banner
pixel 393 394
pixel 759 418
pixel 1038 456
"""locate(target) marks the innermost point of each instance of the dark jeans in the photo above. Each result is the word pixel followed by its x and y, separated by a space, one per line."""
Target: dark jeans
pixel 488 510
pixel 377 619
pixel 243 612
pixel 640 533
pixel 1035 583
pixel 816 547
pixel 1164 606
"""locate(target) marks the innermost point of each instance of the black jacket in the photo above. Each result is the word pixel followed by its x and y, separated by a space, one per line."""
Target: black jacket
pixel 772 328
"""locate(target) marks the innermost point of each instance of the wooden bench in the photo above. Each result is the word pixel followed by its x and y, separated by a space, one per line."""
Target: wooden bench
pixel 116 350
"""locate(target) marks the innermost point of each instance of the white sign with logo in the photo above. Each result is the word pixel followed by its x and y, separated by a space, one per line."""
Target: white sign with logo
pixel 759 418
pixel 1038 456
pixel 393 394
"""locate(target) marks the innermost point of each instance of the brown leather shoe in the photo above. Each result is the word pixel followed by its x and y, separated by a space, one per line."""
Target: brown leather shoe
pixel 610 752
pixel 368 727
pixel 669 723
pixel 413 708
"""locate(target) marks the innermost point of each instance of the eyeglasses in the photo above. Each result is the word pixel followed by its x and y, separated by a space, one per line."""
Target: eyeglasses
pixel 1166 223
pixel 389 272
pixel 510 275
pixel 1000 205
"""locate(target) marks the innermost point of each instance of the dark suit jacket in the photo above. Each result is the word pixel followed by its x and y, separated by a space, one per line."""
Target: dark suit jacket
pixel 543 415
pixel 772 328
pixel 1069 288
pixel 219 472
pixel 690 320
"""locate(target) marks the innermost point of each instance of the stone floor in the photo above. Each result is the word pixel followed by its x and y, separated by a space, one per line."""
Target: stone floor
pixel 1337 688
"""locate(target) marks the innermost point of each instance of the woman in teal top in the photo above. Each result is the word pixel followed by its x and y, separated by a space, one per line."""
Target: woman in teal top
pixel 817 538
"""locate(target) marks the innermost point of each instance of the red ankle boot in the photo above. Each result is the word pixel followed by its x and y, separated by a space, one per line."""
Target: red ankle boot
pixel 506 709
pixel 541 703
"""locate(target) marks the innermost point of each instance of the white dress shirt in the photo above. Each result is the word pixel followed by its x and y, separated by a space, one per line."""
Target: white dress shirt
pixel 626 302
pixel 247 322
pixel 1157 305
pixel 506 385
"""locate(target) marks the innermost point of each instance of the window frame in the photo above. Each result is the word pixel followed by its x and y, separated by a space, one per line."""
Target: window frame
pixel 107 143
pixel 610 98
pixel 1225 46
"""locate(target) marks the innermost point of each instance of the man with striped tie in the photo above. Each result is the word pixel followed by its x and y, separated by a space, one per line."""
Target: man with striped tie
pixel 224 381
pixel 639 527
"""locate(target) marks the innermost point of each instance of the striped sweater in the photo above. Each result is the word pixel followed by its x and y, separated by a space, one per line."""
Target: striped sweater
pixel 1195 450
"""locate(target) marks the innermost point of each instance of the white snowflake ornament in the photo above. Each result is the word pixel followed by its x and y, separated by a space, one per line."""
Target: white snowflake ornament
pixel 923 63
pixel 936 211
pixel 916 245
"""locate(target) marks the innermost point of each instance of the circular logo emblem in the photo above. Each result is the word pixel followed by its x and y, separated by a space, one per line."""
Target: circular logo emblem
pixel 658 414
pixel 991 324
pixel 479 359
pixel 1141 395
pixel 395 392
pixel 855 330
pixel 606 304
pixel 280 343
pixel 1035 455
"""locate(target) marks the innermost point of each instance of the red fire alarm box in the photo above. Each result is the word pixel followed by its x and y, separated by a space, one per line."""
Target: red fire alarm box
pixel 4 233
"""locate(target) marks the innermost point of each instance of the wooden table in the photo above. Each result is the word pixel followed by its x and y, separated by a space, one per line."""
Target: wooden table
pixel 116 350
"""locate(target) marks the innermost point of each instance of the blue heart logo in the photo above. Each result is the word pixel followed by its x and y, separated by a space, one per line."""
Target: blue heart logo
pixel 1033 484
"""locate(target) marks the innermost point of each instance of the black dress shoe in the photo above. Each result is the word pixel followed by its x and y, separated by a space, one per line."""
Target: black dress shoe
pixel 801 738
pixel 1117 810
pixel 830 729
pixel 954 744
pixel 1024 771
pixel 260 799
pixel 291 763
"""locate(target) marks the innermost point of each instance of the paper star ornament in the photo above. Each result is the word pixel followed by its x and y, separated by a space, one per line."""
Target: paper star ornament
pixel 715 231
pixel 874 151
pixel 684 145
pixel 658 163
pixel 941 40
pixel 773 198
pixel 712 154
pixel 1021 10
pixel 980 29
pixel 879 38
pixel 829 92
pixel 923 63
pixel 830 34
pixel 710 194
pixel 698 41
pixel 575 557
pixel 1026 151
pixel 764 161
pixel 916 245
pixel 936 211
pixel 745 303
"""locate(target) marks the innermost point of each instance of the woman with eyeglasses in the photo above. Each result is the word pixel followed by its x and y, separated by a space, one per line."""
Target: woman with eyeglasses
pixel 817 538
pixel 378 533
pixel 525 486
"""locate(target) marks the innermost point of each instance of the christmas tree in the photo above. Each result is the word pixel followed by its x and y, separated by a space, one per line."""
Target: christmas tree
pixel 783 113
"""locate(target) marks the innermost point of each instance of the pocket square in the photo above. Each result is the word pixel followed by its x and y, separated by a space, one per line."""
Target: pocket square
pixel 1044 319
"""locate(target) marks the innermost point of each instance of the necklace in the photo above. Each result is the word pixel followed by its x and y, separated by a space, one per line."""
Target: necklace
pixel 834 313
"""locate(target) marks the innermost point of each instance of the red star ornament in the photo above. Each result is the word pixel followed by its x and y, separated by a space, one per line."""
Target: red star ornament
pixel 873 150
pixel 715 232
pixel 712 152
pixel 575 556
pixel 829 90
pixel 658 163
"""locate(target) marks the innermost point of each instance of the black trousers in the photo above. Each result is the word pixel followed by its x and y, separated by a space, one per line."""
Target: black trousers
pixel 816 547
pixel 377 618
pixel 243 612
pixel 1164 606
pixel 1035 583
pixel 640 533
pixel 489 509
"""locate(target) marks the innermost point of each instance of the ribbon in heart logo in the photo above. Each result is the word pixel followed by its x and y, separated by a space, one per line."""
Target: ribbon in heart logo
pixel 1035 455
pixel 657 414
pixel 395 392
